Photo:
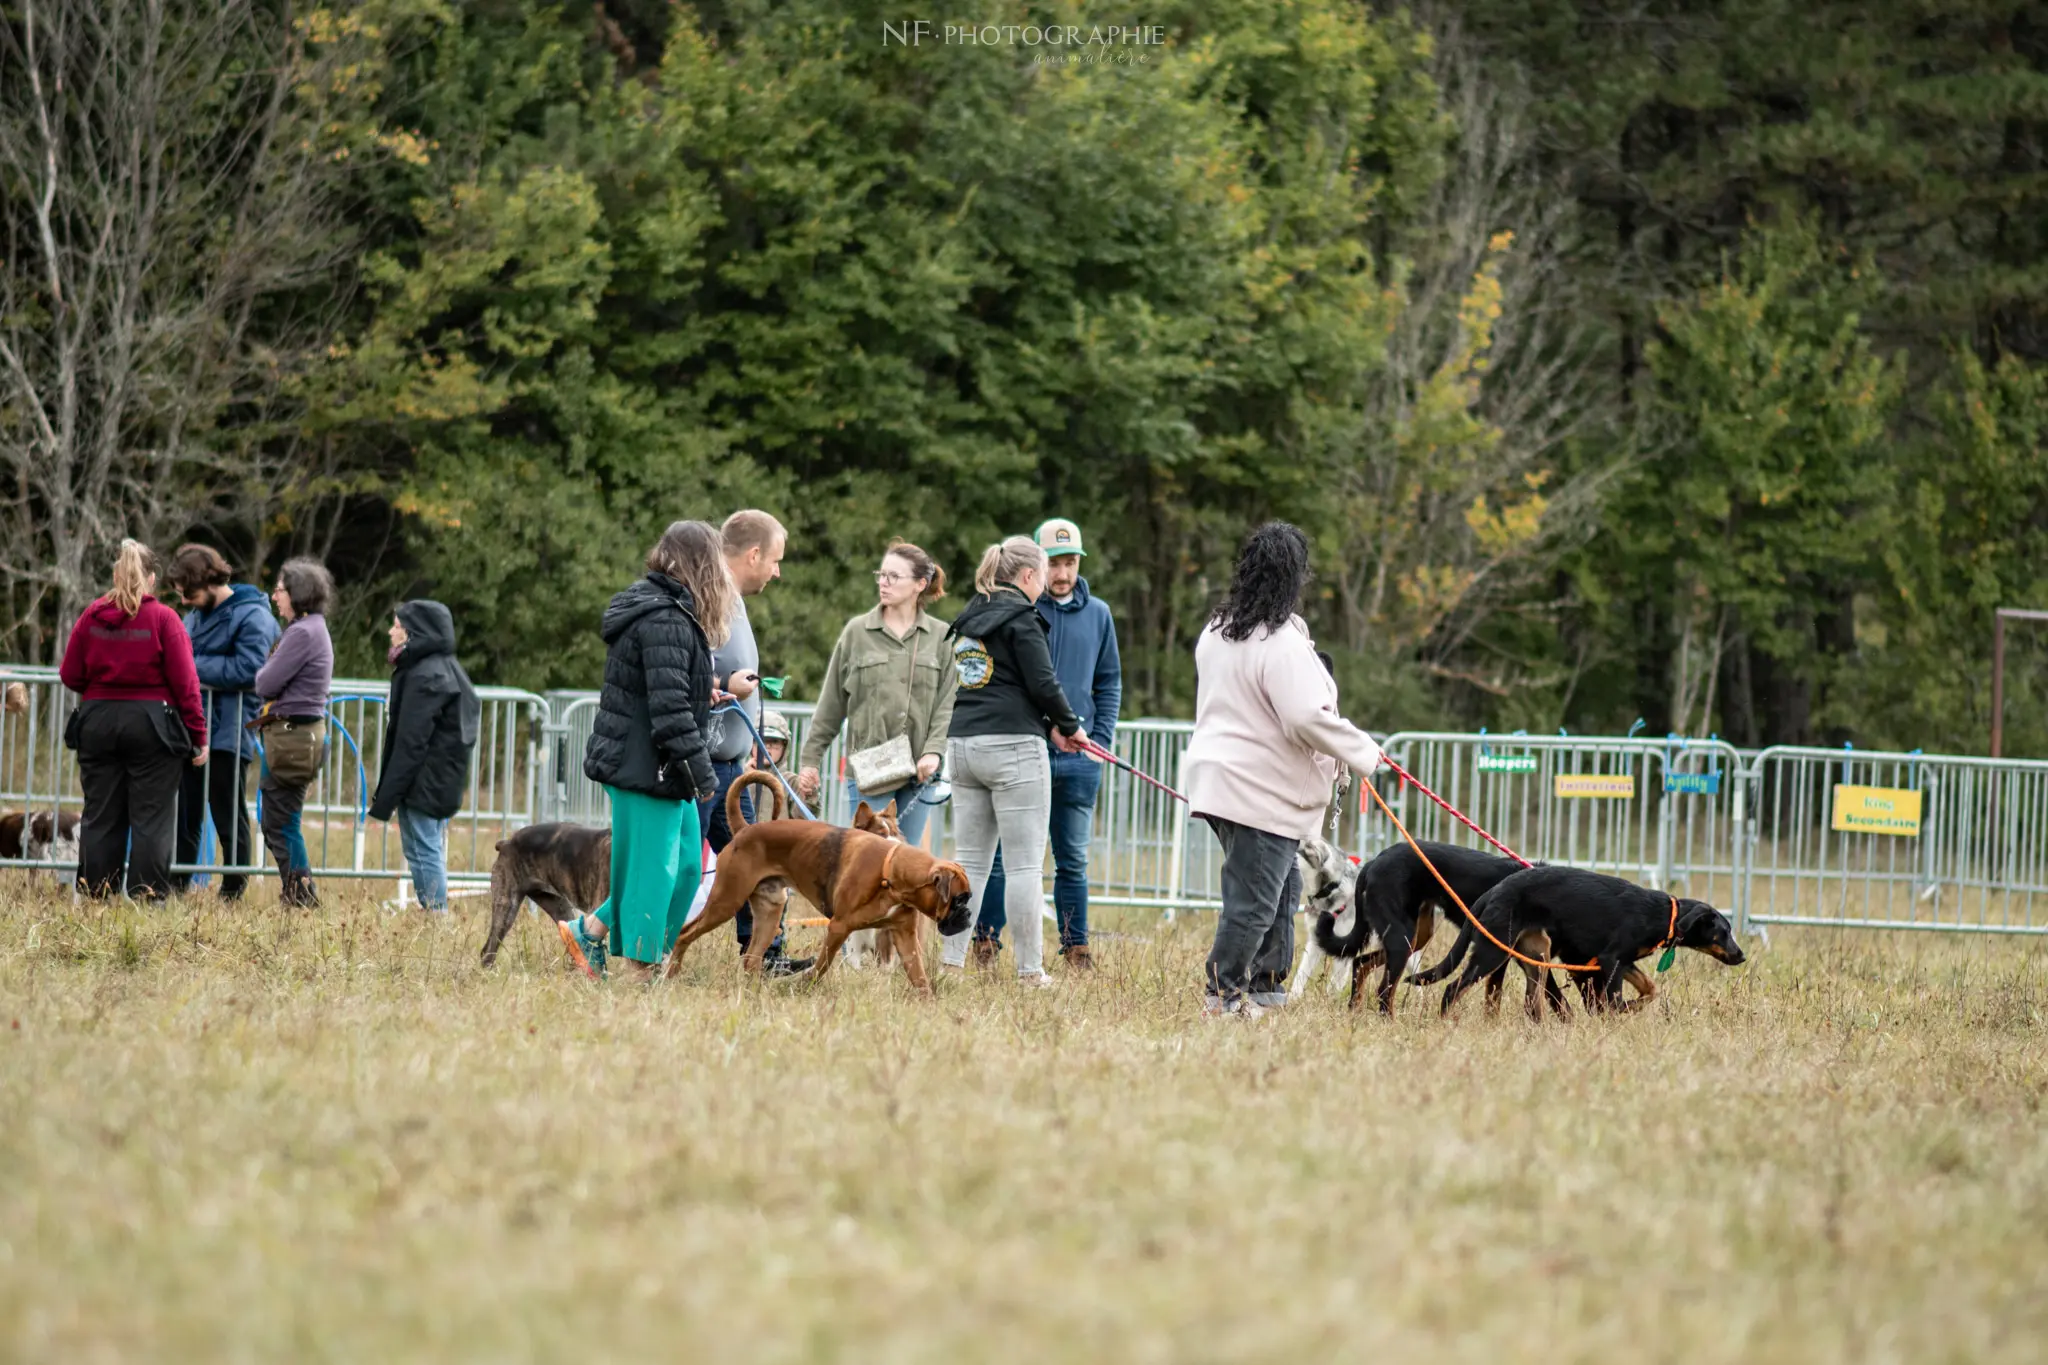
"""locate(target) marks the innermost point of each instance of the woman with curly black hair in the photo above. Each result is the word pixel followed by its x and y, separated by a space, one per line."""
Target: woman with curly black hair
pixel 1260 763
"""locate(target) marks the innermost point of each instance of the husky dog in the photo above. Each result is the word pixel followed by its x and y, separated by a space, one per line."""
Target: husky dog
pixel 1329 879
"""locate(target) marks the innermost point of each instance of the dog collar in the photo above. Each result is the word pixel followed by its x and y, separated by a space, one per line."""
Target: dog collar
pixel 1670 943
pixel 889 861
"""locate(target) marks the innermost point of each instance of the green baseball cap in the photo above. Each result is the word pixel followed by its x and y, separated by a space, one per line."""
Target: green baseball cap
pixel 1060 537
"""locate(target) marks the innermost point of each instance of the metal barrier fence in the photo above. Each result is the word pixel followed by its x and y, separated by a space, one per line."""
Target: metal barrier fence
pixel 37 773
pixel 1848 838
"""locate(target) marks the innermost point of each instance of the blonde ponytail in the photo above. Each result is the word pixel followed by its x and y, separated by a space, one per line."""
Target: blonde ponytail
pixel 1002 562
pixel 132 569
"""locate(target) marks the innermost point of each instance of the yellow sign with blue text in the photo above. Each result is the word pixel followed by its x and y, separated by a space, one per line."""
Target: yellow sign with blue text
pixel 1877 810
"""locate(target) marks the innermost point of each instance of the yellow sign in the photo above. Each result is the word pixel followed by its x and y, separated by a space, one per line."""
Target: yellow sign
pixel 1611 785
pixel 1877 810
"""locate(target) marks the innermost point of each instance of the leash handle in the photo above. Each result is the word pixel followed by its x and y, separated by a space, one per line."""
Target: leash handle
pixel 1094 750
pixel 1456 814
pixel 761 747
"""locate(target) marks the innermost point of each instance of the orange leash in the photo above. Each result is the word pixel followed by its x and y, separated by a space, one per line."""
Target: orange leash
pixel 1473 919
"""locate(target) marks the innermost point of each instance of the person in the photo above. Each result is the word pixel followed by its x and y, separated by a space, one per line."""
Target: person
pixel 775 736
pixel 1008 698
pixel 294 684
pixel 231 632
pixel 431 721
pixel 139 719
pixel 649 747
pixel 1260 762
pixel 890 676
pixel 1082 637
pixel 753 543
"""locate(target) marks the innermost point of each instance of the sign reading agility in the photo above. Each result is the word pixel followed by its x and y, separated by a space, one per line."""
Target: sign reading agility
pixel 1877 810
pixel 1695 784
pixel 1613 786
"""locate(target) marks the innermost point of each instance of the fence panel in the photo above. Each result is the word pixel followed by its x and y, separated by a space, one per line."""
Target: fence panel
pixel 1860 839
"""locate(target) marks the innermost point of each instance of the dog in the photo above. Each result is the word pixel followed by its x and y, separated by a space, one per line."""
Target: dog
pixel 860 880
pixel 1328 879
pixel 1589 917
pixel 565 869
pixel 1395 904
pixel 40 837
pixel 864 946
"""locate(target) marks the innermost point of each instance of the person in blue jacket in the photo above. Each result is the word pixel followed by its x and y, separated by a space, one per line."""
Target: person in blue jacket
pixel 232 631
pixel 1084 655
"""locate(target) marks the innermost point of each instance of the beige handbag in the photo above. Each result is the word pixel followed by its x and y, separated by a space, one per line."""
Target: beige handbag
pixel 887 766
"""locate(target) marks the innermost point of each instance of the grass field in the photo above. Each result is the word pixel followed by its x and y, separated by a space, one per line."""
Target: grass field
pixel 248 1136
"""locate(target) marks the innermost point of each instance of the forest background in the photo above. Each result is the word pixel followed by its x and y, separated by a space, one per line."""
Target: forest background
pixel 1681 363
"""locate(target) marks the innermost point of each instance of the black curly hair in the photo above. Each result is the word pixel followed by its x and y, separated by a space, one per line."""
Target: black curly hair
pixel 1265 587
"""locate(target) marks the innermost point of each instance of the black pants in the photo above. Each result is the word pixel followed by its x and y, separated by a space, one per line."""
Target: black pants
pixel 282 804
pixel 130 777
pixel 1255 932
pixel 220 785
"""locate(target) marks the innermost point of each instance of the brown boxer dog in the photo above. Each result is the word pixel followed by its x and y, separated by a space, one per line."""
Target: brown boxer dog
pixel 859 880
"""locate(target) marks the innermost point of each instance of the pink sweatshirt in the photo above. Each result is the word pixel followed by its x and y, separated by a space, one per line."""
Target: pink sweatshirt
pixel 1267 732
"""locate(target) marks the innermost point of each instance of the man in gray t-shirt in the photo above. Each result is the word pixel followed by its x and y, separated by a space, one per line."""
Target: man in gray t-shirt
pixel 753 545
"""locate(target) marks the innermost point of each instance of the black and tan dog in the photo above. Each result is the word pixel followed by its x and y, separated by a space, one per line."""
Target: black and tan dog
pixel 1590 917
pixel 1396 901
pixel 860 880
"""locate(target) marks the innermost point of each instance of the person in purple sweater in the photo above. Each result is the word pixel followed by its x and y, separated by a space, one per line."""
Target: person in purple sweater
pixel 294 683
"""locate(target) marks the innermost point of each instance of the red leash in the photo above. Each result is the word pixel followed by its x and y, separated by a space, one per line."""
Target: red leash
pixel 1094 750
pixel 1459 815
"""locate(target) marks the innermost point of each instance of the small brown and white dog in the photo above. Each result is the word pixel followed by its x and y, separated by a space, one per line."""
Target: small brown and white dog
pixel 41 837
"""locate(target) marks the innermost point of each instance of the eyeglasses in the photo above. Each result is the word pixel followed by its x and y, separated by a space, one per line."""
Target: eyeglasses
pixel 884 576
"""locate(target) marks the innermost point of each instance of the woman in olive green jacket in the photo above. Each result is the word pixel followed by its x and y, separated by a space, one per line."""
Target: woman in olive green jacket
pixel 891 675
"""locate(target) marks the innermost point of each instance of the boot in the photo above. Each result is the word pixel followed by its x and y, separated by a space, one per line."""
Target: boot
pixel 1078 958
pixel 984 952
pixel 298 890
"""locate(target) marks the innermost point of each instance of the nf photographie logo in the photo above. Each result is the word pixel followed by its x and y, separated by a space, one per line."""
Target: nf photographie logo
pixel 918 32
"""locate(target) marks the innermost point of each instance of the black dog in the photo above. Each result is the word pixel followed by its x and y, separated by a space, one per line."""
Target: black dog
pixel 1395 897
pixel 1585 917
pixel 565 869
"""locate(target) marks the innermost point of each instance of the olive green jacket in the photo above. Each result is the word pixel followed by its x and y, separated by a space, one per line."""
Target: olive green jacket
pixel 874 686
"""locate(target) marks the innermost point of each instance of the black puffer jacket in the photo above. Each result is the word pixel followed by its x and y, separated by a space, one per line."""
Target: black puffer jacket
pixel 430 722
pixel 1007 682
pixel 654 713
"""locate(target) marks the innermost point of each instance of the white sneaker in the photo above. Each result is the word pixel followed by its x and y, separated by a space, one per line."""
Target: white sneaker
pixel 1214 1008
pixel 1037 981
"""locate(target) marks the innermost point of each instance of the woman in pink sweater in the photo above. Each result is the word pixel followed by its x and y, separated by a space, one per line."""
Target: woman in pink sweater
pixel 1261 761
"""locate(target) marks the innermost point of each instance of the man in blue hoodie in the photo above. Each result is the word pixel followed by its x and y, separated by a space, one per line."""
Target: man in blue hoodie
pixel 232 631
pixel 1091 673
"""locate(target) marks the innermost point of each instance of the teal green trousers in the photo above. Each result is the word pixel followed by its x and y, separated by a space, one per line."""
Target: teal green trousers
pixel 657 861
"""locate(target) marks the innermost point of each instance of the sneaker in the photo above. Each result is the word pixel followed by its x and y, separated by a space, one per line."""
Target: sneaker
pixel 1078 957
pixel 587 953
pixel 778 964
pixel 1269 1000
pixel 1214 1007
pixel 1036 981
pixel 985 950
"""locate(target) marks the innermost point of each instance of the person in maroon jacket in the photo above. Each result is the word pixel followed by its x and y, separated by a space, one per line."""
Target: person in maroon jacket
pixel 139 723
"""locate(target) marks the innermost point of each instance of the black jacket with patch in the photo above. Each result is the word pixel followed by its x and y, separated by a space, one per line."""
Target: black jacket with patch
pixel 655 711
pixel 1007 683
pixel 430 722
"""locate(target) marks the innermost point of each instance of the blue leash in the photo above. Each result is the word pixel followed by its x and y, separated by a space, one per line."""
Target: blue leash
pixel 761 748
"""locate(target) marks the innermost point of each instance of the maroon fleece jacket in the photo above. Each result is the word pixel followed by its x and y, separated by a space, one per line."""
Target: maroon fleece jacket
pixel 113 656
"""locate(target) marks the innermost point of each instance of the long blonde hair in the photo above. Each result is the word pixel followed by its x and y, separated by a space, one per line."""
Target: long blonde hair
pixel 693 554
pixel 1003 561
pixel 133 567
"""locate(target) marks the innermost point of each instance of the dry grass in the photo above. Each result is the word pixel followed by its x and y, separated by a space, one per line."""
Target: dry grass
pixel 242 1136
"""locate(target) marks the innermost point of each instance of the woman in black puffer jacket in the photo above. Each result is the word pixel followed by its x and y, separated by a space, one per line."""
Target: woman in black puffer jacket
pixel 648 747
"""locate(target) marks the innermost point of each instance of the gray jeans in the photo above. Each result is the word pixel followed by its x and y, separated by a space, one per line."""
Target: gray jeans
pixel 1255 933
pixel 1002 793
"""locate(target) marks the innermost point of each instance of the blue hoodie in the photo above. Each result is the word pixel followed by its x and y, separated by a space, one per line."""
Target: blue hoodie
pixel 229 643
pixel 1084 656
